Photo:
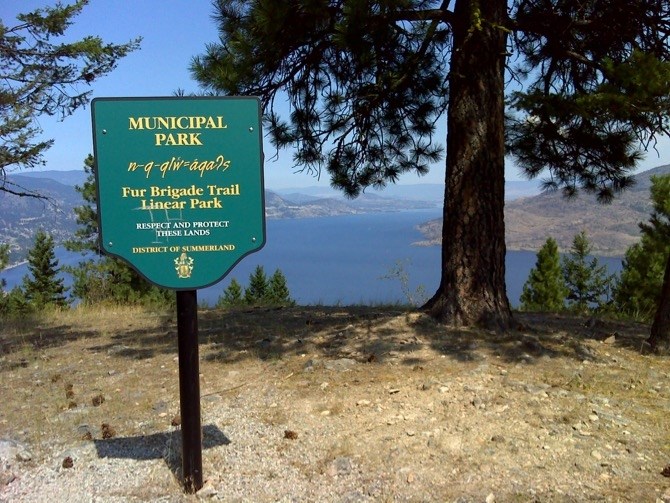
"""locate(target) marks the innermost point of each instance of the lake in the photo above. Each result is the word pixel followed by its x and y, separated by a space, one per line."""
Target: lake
pixel 344 259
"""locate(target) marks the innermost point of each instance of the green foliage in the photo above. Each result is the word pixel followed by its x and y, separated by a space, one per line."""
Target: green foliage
pixel 580 281
pixel 42 76
pixel 15 304
pixel 4 256
pixel 103 279
pixel 107 280
pixel 43 287
pixel 370 79
pixel 277 292
pixel 366 83
pixel 232 296
pixel 588 282
pixel 370 88
pixel 86 236
pixel 260 292
pixel 545 288
pixel 638 290
pixel 4 260
pixel 256 292
pixel 637 293
pixel 596 92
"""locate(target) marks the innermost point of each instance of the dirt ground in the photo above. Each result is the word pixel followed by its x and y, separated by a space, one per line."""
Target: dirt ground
pixel 346 404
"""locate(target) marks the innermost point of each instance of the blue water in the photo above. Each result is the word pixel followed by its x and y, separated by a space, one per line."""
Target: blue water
pixel 342 260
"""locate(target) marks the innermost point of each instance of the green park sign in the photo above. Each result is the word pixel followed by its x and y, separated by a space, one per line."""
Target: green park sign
pixel 180 185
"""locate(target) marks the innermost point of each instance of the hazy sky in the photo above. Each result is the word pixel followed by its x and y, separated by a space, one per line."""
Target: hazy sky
pixel 173 32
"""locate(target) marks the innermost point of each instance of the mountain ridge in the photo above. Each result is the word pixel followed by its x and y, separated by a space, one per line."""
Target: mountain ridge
pixel 611 228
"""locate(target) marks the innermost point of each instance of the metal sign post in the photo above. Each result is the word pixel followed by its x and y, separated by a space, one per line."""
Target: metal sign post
pixel 189 389
pixel 180 199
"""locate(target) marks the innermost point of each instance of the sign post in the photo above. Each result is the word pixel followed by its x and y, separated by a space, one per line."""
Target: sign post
pixel 180 199
pixel 189 389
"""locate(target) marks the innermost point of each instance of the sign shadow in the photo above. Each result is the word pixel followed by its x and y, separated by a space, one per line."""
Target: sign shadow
pixel 166 446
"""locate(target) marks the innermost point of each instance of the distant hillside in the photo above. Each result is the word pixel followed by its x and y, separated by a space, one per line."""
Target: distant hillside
pixel 611 228
pixel 22 217
pixel 278 207
pixel 72 177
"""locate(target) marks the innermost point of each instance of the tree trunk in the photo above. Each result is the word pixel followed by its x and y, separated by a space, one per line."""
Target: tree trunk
pixel 472 290
pixel 660 330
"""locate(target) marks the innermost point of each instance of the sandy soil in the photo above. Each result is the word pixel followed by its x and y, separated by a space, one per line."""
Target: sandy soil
pixel 336 404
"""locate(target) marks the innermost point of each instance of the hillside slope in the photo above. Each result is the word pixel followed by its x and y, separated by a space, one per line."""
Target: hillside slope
pixel 22 217
pixel 611 228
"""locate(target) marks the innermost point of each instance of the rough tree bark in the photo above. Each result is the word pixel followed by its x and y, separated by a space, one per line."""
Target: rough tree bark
pixel 472 289
pixel 659 338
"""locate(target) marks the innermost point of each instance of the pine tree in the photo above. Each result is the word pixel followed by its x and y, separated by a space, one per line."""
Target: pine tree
pixel 256 292
pixel 587 281
pixel 232 295
pixel 43 287
pixel 545 288
pixel 277 292
pixel 659 336
pixel 638 290
pixel 86 236
pixel 365 84
pixel 44 75
pixel 17 303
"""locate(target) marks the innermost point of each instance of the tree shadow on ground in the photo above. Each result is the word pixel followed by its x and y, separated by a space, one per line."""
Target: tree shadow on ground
pixel 362 333
pixel 140 344
pixel 37 333
pixel 368 334
pixel 470 345
pixel 40 337
pixel 331 332
pixel 629 335
pixel 536 336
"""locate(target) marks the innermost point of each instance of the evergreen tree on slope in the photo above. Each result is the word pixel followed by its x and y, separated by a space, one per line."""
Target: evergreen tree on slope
pixel 587 281
pixel 42 286
pixel 638 291
pixel 232 296
pixel 545 288
pixel 256 292
pixel 4 260
pixel 277 291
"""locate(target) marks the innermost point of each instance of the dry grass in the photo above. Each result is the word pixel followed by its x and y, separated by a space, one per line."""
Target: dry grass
pixel 66 374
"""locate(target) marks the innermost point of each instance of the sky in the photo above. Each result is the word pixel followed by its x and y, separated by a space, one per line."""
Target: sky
pixel 173 31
